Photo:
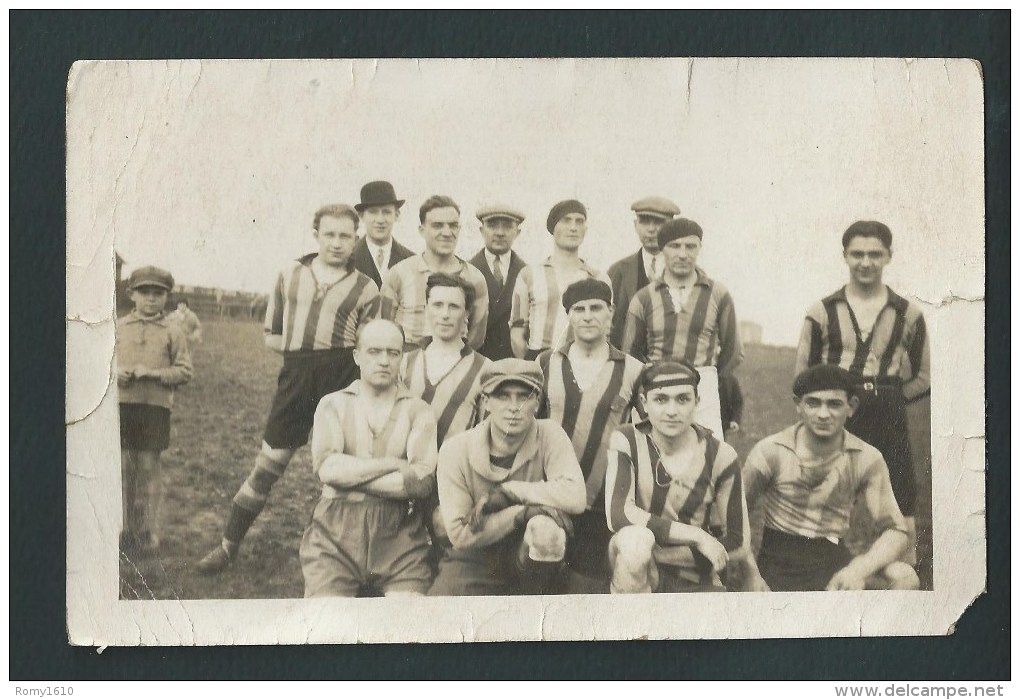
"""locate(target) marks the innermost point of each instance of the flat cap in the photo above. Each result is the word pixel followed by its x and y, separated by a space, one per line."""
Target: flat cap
pixel 499 211
pixel 150 276
pixel 511 369
pixel 824 378
pixel 656 206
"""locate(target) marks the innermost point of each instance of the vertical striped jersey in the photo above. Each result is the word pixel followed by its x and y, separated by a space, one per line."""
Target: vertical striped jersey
pixel 312 316
pixel 702 331
pixel 896 348
pixel 589 417
pixel 816 499
pixel 538 303
pixel 709 495
pixel 340 430
pixel 454 398
pixel 403 299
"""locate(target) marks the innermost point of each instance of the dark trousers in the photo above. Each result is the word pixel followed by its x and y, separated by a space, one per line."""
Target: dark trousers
pixel 881 421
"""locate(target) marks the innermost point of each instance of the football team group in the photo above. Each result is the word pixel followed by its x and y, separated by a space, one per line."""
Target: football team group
pixel 494 427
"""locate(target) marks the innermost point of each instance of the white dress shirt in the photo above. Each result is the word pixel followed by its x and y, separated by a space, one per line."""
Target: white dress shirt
pixel 504 263
pixel 386 250
pixel 646 260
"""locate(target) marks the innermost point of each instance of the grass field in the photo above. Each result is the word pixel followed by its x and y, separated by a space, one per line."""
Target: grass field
pixel 216 433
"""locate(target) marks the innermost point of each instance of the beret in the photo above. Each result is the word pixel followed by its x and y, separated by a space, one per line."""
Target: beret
pixel 150 276
pixel 677 228
pixel 588 288
pixel 823 378
pixel 494 211
pixel 656 206
pixel 561 209
pixel 511 369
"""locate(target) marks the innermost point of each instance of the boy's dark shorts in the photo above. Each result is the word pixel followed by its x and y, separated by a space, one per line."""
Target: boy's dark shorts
pixel 144 427
pixel 305 378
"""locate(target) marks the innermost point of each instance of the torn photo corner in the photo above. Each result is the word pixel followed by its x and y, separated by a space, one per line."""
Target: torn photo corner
pixel 214 170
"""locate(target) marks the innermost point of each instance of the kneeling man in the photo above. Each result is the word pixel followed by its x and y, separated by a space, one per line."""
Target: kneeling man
pixel 374 450
pixel 810 476
pixel 507 489
pixel 673 493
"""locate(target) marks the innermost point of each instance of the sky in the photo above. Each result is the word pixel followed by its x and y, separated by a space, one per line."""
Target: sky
pixel 213 169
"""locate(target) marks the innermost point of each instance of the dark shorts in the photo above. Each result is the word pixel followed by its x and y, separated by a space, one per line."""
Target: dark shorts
pixel 305 378
pixel 881 421
pixel 588 553
pixel 793 563
pixel 144 427
pixel 350 546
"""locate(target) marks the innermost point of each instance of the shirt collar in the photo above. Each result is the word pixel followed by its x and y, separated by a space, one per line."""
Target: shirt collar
pixel 424 266
pixel 135 317
pixel 644 426
pixel 788 438
pixel 375 246
pixel 504 259
pixel 702 279
pixel 583 265
pixel 427 340
pixel 894 300
pixel 354 389
pixel 615 355
pixel 479 450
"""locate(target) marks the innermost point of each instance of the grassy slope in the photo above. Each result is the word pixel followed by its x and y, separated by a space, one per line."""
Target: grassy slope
pixel 216 432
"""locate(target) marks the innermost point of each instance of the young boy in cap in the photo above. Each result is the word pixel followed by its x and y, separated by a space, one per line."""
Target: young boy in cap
pixel 403 291
pixel 673 493
pixel 537 321
pixel 590 388
pixel 686 315
pixel 809 476
pixel 152 358
pixel 500 265
pixel 506 490
pixel 634 272
pixel 881 339
pixel 374 450
pixel 315 310
pixel 377 251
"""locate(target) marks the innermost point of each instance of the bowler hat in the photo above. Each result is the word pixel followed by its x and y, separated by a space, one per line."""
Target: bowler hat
pixel 377 193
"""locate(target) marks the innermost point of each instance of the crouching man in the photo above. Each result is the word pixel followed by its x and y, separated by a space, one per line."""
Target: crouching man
pixel 809 476
pixel 673 493
pixel 507 489
pixel 374 450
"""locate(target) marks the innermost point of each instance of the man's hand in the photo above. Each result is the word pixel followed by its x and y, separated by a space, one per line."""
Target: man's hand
pixel 491 502
pixel 561 519
pixel 846 579
pixel 713 551
pixel 124 377
pixel 140 372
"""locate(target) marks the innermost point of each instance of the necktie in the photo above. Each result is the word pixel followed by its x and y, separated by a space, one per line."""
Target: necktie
pixel 497 272
pixel 379 259
pixel 655 266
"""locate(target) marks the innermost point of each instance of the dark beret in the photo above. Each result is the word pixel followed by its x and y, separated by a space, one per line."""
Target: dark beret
pixel 561 209
pixel 583 290
pixel 677 228
pixel 823 378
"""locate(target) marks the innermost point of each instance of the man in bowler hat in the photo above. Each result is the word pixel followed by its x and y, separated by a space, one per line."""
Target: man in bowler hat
pixel 377 251
pixel 499 264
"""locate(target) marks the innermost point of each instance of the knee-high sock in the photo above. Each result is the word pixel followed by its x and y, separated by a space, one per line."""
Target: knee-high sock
pixel 251 497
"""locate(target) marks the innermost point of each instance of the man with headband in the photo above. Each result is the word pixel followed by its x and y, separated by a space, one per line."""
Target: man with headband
pixel 673 493
pixel 590 388
pixel 810 476
pixel 686 315
pixel 537 322
pixel 507 489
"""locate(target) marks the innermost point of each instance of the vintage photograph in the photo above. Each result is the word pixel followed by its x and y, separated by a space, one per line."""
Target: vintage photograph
pixel 468 350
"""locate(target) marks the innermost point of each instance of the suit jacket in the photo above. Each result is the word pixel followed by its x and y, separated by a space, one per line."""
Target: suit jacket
pixel 364 263
pixel 627 276
pixel 497 332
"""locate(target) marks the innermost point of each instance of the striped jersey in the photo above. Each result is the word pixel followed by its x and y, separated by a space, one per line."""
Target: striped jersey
pixel 403 299
pixel 896 348
pixel 589 417
pixel 312 316
pixel 454 398
pixel 537 305
pixel 703 330
pixel 340 431
pixel 709 495
pixel 816 499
